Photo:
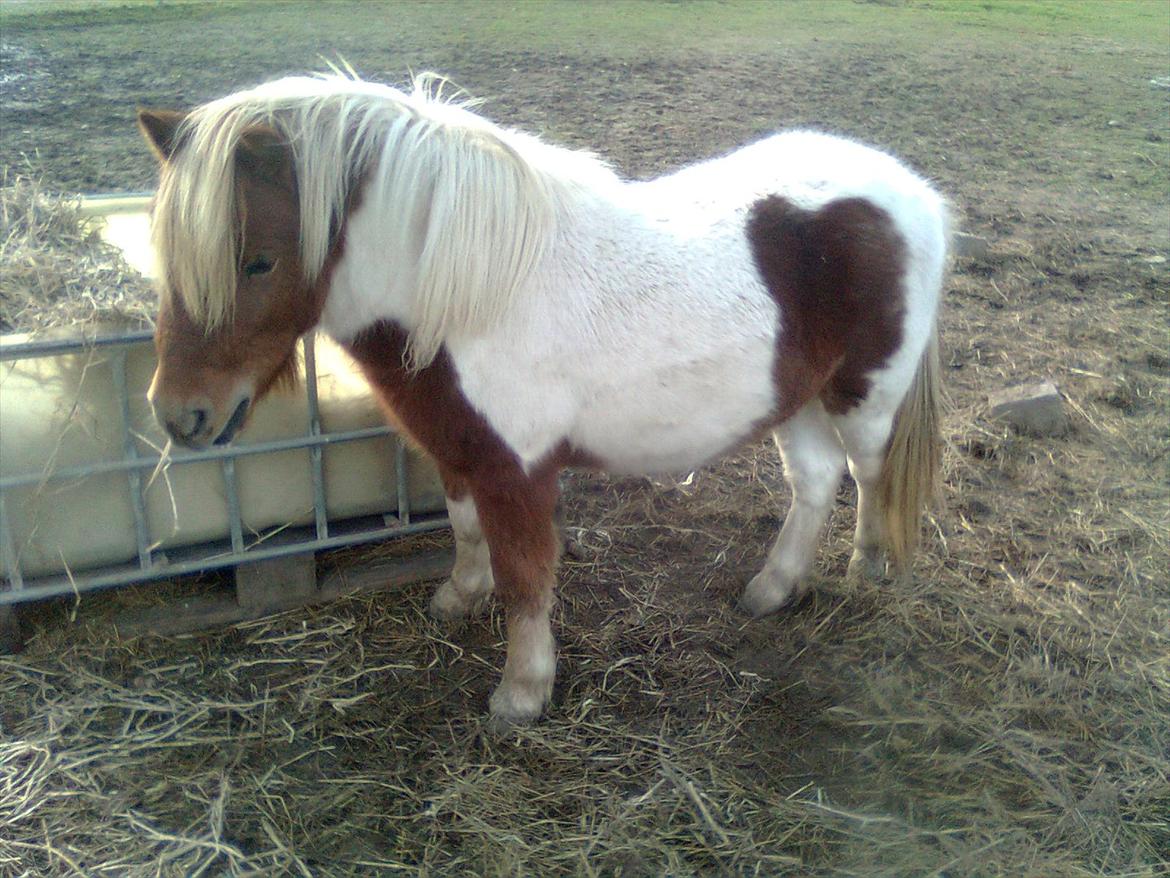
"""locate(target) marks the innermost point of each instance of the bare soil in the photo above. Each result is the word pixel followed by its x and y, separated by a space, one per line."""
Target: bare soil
pixel 1006 712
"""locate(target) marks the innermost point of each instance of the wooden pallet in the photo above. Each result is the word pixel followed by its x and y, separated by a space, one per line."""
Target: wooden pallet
pixel 260 589
pixel 268 587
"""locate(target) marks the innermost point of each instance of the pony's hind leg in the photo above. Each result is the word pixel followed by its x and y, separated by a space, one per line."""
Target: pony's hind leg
pixel 865 437
pixel 814 462
pixel 894 447
pixel 466 592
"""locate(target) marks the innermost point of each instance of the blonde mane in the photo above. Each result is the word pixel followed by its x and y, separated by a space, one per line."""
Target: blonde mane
pixel 473 205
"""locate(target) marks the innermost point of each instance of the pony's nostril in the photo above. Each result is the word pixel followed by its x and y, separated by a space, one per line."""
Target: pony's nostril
pixel 188 425
pixel 199 416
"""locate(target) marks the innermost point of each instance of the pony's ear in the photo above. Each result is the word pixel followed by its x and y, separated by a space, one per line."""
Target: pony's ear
pixel 265 154
pixel 161 129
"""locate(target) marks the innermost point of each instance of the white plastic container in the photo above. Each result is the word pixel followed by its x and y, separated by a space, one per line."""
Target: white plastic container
pixel 66 410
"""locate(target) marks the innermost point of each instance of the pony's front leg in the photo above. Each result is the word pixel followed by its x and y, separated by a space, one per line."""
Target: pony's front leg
pixel 471 582
pixel 517 519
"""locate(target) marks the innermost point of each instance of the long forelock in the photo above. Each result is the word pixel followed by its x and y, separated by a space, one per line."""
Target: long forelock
pixel 197 223
pixel 473 213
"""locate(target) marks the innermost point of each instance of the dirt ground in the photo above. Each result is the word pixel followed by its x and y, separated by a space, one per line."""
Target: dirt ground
pixel 1006 712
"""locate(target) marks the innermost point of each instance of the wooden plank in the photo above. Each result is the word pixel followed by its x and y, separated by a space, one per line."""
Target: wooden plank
pixel 277 582
pixel 199 614
pixel 11 633
pixel 381 575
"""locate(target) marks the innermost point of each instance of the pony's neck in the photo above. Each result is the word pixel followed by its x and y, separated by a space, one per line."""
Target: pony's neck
pixel 452 225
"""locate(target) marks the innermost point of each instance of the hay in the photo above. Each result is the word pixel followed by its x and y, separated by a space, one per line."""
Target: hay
pixel 1006 712
pixel 57 270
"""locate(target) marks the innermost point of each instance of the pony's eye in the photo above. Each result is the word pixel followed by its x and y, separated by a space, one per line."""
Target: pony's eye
pixel 259 265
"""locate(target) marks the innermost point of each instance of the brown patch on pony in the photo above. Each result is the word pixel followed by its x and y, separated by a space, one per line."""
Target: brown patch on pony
pixel 286 378
pixel 516 509
pixel 265 154
pixel 836 275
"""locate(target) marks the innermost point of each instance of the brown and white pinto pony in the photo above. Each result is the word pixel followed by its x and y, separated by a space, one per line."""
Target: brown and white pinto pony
pixel 519 308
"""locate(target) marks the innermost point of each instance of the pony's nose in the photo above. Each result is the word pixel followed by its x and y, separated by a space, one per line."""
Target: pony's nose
pixel 186 426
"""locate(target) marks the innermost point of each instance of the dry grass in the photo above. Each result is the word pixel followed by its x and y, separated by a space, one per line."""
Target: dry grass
pixel 57 270
pixel 1004 713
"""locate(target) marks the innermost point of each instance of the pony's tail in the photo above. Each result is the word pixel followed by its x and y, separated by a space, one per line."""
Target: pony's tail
pixel 909 477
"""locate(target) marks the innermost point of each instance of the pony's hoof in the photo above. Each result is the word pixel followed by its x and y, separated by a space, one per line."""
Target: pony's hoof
pixel 866 566
pixel 448 604
pixel 514 704
pixel 501 726
pixel 766 594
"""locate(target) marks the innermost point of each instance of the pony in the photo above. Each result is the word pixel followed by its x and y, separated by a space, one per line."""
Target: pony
pixel 519 308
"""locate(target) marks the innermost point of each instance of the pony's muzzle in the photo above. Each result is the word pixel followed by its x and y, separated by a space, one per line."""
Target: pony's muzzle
pixel 187 427
pixel 193 425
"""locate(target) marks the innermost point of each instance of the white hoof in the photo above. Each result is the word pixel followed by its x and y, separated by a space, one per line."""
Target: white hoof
pixel 769 592
pixel 866 565
pixel 450 604
pixel 529 671
pixel 516 704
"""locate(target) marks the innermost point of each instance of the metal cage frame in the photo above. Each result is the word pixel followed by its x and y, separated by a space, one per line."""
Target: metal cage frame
pixel 155 564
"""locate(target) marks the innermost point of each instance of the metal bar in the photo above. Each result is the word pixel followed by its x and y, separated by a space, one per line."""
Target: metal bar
pixel 60 586
pixel 401 481
pixel 8 551
pixel 315 453
pixel 98 198
pixel 17 587
pixel 130 452
pixel 235 520
pixel 48 346
pixel 217 452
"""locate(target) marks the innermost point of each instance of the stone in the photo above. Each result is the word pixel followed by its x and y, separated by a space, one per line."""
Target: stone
pixel 1034 409
pixel 970 246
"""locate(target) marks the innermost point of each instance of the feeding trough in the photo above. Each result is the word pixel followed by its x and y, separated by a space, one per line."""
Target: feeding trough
pixel 86 504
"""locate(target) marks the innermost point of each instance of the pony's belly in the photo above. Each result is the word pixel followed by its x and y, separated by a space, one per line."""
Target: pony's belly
pixel 673 434
pixel 670 456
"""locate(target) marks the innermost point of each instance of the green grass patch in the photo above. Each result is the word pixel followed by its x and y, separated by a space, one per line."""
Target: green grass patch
pixel 1137 22
pixel 628 27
